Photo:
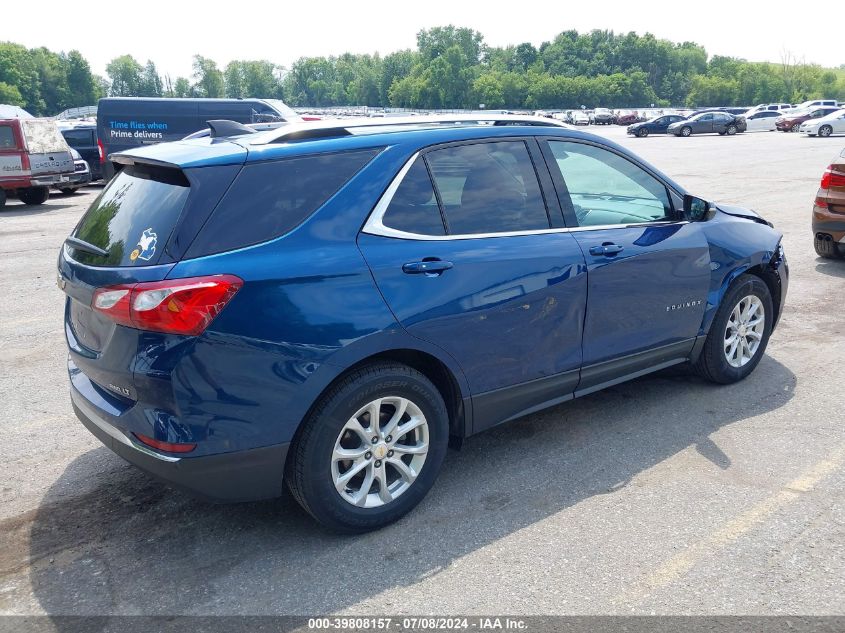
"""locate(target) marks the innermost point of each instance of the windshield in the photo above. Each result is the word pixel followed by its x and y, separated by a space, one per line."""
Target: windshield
pixel 288 112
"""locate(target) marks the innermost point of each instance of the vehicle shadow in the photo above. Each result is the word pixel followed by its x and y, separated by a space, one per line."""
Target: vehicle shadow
pixel 106 539
pixel 832 267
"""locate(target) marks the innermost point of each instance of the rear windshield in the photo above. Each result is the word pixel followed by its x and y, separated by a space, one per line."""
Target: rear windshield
pixel 133 218
pixel 42 136
pixel 271 198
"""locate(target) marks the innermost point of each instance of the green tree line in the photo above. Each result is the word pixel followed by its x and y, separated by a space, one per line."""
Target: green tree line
pixel 451 67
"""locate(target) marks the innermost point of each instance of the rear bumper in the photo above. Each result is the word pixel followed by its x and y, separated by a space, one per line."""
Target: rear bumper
pixel 51 180
pixel 77 179
pixel 829 223
pixel 238 476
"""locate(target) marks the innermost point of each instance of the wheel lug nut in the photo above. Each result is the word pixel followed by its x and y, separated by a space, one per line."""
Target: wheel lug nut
pixel 375 440
pixel 367 455
pixel 390 453
pixel 389 438
pixel 378 463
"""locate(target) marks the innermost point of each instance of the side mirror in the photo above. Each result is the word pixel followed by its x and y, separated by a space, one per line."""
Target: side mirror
pixel 695 209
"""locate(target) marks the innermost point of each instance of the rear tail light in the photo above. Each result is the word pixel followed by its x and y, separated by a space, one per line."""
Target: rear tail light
pixel 832 178
pixel 176 306
pixel 101 151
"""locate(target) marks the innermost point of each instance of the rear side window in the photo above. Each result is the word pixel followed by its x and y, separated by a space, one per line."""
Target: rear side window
pixel 488 188
pixel 133 217
pixel 7 137
pixel 414 207
pixel 272 198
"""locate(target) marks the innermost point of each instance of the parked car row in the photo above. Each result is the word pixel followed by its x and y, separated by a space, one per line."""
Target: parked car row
pixel 820 121
pixel 722 123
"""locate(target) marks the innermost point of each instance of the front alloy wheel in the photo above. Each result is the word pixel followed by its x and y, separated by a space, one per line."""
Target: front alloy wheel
pixel 739 333
pixel 686 131
pixel 379 452
pixel 744 331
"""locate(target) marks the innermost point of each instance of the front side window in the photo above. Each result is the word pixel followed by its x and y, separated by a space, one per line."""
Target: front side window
pixel 607 189
pixel 488 188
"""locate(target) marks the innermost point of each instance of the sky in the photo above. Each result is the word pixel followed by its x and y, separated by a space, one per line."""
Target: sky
pixel 171 33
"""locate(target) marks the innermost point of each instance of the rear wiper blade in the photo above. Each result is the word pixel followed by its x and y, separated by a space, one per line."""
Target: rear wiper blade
pixel 82 245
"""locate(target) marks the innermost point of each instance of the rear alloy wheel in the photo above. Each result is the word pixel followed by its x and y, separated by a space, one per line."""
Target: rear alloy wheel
pixel 34 195
pixel 642 132
pixel 731 130
pixel 825 131
pixel 371 449
pixel 739 333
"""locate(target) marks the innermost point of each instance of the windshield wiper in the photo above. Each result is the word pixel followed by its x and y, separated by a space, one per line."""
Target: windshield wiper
pixel 82 245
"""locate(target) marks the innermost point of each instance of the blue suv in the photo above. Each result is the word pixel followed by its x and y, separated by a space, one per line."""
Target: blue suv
pixel 327 305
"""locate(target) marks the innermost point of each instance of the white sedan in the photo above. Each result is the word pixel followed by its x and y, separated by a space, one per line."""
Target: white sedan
pixel 580 118
pixel 762 120
pixel 833 123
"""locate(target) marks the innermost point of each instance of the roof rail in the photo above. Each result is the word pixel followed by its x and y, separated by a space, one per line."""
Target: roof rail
pixel 310 130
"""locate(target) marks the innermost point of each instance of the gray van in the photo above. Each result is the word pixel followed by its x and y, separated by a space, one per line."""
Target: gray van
pixel 127 122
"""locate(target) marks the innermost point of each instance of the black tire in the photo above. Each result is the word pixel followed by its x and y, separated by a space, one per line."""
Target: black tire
pixel 2 198
pixel 712 364
pixel 68 190
pixel 34 195
pixel 721 133
pixel 686 131
pixel 642 132
pixel 826 248
pixel 309 466
pixel 825 131
pixel 731 130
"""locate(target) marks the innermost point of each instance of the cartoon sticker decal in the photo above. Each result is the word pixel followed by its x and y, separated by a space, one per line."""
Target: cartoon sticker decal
pixel 146 247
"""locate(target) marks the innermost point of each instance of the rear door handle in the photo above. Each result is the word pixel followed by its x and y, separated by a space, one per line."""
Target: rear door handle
pixel 429 267
pixel 608 249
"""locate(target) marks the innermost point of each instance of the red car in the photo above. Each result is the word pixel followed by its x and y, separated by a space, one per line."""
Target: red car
pixel 627 118
pixel 34 156
pixel 791 122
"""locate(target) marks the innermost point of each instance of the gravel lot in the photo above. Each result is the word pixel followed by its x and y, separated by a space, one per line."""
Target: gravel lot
pixel 664 495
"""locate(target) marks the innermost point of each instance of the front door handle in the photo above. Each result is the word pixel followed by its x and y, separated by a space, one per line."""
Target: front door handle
pixel 608 249
pixel 427 266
